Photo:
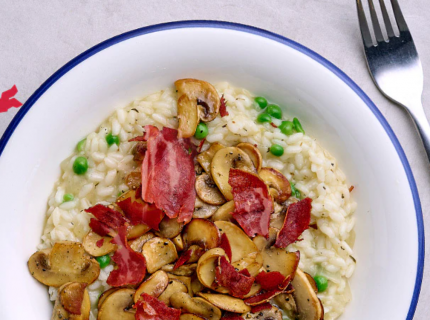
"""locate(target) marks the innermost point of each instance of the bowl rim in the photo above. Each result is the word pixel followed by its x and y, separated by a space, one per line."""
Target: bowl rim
pixel 269 35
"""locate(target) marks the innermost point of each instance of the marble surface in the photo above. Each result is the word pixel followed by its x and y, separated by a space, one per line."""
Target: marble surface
pixel 38 37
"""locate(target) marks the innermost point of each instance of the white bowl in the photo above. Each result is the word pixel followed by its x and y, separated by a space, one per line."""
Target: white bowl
pixel 390 241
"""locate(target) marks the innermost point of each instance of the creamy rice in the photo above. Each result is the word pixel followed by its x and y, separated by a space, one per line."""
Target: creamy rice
pixel 325 249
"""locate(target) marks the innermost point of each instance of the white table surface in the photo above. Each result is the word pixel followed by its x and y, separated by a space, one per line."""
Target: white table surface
pixel 38 37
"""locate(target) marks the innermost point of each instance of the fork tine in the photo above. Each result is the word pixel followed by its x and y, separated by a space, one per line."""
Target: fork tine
pixel 401 23
pixel 365 33
pixel 375 22
pixel 390 31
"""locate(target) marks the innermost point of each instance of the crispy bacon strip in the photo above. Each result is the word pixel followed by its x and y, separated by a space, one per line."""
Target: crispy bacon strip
pixel 108 220
pixel 271 280
pixel 183 259
pixel 225 244
pixel 168 175
pixel 131 265
pixel 261 307
pixel 262 297
pixel 227 276
pixel 252 201
pixel 140 212
pixel 150 308
pixel 296 221
pixel 100 242
pixel 223 107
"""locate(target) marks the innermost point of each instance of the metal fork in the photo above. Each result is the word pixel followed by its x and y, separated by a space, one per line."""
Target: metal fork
pixel 394 64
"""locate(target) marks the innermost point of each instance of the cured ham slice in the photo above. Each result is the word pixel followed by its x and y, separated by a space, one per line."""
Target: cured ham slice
pixel 168 175
pixel 108 220
pixel 252 201
pixel 150 308
pixel 227 276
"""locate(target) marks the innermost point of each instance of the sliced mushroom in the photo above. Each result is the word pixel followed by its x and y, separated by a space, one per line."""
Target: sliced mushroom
pixel 137 230
pixel 307 302
pixel 267 314
pixel 139 151
pixel 286 302
pixel 104 295
pixel 201 232
pixel 312 282
pixel 278 184
pixel 205 157
pixel 224 213
pixel 197 306
pixel 169 228
pixel 196 285
pixel 153 286
pixel 158 252
pixel 263 243
pixel 276 259
pixel 184 270
pixel 225 302
pixel 256 288
pixel 252 262
pixel 241 245
pixel 118 306
pixel 73 302
pixel 206 266
pixel 197 99
pixel 134 179
pixel 66 262
pixel 196 253
pixel 185 280
pixel 253 153
pixel 137 244
pixel 277 218
pixel 173 287
pixel 223 161
pixel 97 245
pixel 178 242
pixel 203 210
pixel 208 191
pixel 190 316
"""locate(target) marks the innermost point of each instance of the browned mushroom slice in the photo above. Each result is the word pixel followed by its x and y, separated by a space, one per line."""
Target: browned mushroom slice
pixel 153 286
pixel 208 191
pixel 197 99
pixel 276 259
pixel 268 314
pixel 307 302
pixel 252 262
pixel 256 288
pixel 196 253
pixel 139 151
pixel 201 232
pixel 205 158
pixel 134 179
pixel 206 266
pixel 190 316
pixel 278 184
pixel 118 306
pixel 197 306
pixel 225 302
pixel 253 153
pixel 185 280
pixel 184 270
pixel 66 262
pixel 169 228
pixel 137 230
pixel 173 287
pixel 224 213
pixel 137 244
pixel 223 161
pixel 97 245
pixel 158 252
pixel 203 210
pixel 73 302
pixel 263 243
pixel 241 245
pixel 196 285
pixel 286 302
pixel 178 242
pixel 104 295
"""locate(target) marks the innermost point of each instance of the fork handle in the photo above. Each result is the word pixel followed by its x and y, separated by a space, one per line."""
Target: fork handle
pixel 423 126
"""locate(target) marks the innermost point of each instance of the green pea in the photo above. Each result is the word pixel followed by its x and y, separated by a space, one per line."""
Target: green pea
pixel 274 111
pixel 277 150
pixel 298 126
pixel 287 127
pixel 201 131
pixel 322 283
pixel 294 191
pixel 262 102
pixel 264 117
pixel 81 144
pixel 80 166
pixel 111 139
pixel 103 261
pixel 68 197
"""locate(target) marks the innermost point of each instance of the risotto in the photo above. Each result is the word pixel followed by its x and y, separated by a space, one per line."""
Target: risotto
pixel 295 173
